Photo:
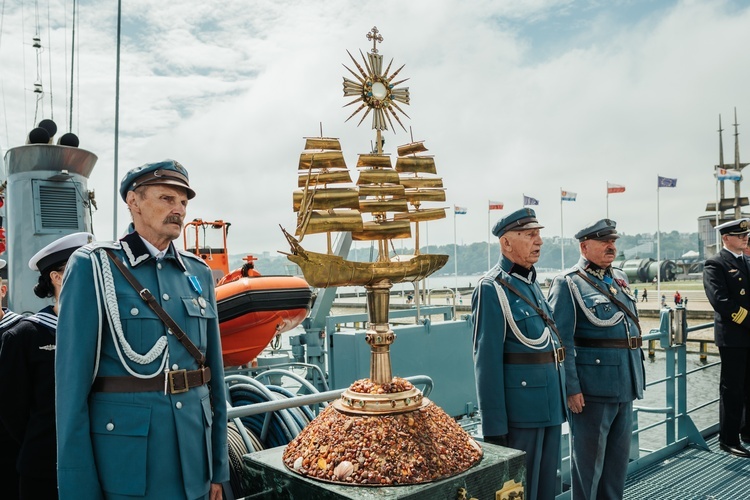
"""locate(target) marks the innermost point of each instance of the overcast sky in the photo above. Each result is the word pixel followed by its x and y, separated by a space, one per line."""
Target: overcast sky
pixel 511 97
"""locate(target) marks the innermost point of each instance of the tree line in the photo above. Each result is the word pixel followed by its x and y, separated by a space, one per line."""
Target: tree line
pixel 472 257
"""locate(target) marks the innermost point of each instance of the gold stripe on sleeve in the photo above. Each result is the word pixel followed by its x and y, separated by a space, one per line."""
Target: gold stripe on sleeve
pixel 739 316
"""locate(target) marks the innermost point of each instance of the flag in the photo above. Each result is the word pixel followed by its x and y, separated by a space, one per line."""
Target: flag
pixel 724 174
pixel 666 182
pixel 568 196
pixel 528 200
pixel 496 205
pixel 615 188
pixel 459 210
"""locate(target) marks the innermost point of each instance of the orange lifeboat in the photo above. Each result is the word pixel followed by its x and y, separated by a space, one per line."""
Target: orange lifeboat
pixel 252 308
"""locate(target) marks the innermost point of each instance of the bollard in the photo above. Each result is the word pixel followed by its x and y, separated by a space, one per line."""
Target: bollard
pixel 651 349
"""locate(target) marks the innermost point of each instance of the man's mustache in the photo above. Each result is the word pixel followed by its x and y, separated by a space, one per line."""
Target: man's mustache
pixel 610 252
pixel 173 219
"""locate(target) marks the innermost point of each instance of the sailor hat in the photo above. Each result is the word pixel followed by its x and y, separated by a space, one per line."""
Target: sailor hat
pixel 601 230
pixel 3 263
pixel 58 252
pixel 734 227
pixel 163 172
pixel 520 220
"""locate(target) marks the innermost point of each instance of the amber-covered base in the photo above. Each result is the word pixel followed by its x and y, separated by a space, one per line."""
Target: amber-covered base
pixel 414 447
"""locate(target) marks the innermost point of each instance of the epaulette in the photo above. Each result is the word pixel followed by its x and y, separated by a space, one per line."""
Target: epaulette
pixel 191 255
pixel 95 245
pixel 619 273
pixel 492 274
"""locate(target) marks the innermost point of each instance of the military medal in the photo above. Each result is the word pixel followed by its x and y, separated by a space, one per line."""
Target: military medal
pixel 195 284
pixel 202 301
pixel 742 292
pixel 609 282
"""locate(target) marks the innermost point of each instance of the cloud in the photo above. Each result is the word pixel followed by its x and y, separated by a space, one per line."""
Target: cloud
pixel 513 98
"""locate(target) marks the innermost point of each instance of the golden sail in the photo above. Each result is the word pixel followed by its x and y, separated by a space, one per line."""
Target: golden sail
pixel 391 200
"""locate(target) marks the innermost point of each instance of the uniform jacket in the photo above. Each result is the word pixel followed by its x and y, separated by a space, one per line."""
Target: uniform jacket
pixel 147 443
pixel 602 374
pixel 27 391
pixel 727 283
pixel 515 395
pixel 8 446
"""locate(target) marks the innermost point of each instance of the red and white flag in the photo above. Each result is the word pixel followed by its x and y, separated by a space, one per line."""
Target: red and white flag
pixel 496 205
pixel 615 188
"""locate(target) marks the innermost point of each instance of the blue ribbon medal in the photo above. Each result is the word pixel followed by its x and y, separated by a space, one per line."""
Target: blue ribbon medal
pixel 608 280
pixel 195 284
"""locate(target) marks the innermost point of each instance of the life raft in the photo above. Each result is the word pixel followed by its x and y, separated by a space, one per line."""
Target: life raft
pixel 253 309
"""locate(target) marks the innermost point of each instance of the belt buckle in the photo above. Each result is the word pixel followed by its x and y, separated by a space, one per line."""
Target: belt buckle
pixel 184 377
pixel 633 343
pixel 560 354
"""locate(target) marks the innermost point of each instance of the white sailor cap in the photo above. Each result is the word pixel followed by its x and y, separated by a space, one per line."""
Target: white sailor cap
pixel 58 252
pixel 734 227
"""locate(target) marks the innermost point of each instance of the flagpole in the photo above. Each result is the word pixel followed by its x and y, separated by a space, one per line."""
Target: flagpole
pixel 607 199
pixel 488 235
pixel 658 243
pixel 427 244
pixel 455 254
pixel 562 233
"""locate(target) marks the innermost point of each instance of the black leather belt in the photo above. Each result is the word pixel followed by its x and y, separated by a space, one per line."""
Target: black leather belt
pixel 529 358
pixel 629 343
pixel 177 381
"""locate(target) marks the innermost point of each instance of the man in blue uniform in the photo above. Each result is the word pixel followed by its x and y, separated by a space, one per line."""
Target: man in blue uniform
pixel 8 446
pixel 141 413
pixel 517 353
pixel 598 320
pixel 726 280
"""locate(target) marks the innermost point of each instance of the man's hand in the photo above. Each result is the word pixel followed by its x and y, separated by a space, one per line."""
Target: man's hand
pixel 215 493
pixel 576 403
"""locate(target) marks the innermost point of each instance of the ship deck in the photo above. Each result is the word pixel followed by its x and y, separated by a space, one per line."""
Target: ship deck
pixel 692 473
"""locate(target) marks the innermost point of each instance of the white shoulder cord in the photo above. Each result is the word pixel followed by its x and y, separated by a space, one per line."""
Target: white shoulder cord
pixel 540 343
pixel 616 318
pixel 103 275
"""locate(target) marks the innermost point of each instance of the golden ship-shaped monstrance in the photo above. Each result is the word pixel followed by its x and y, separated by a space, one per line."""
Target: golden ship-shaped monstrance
pixel 382 206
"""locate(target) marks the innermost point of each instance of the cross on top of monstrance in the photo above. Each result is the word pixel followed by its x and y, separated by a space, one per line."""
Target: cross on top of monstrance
pixel 375 36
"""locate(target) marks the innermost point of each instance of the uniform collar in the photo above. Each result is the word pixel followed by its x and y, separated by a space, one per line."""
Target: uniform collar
pixel 736 255
pixel 510 267
pixel 46 317
pixel 9 318
pixel 593 269
pixel 137 252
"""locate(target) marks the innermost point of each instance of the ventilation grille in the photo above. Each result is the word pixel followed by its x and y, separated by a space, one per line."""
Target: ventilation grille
pixel 57 208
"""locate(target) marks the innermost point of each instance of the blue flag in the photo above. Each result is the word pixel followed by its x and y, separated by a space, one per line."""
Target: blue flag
pixel 528 200
pixel 666 182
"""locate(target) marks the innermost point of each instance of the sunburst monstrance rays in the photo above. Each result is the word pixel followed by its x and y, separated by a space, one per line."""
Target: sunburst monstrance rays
pixel 375 89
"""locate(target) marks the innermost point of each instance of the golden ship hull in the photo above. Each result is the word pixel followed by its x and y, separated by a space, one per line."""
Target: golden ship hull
pixel 326 270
